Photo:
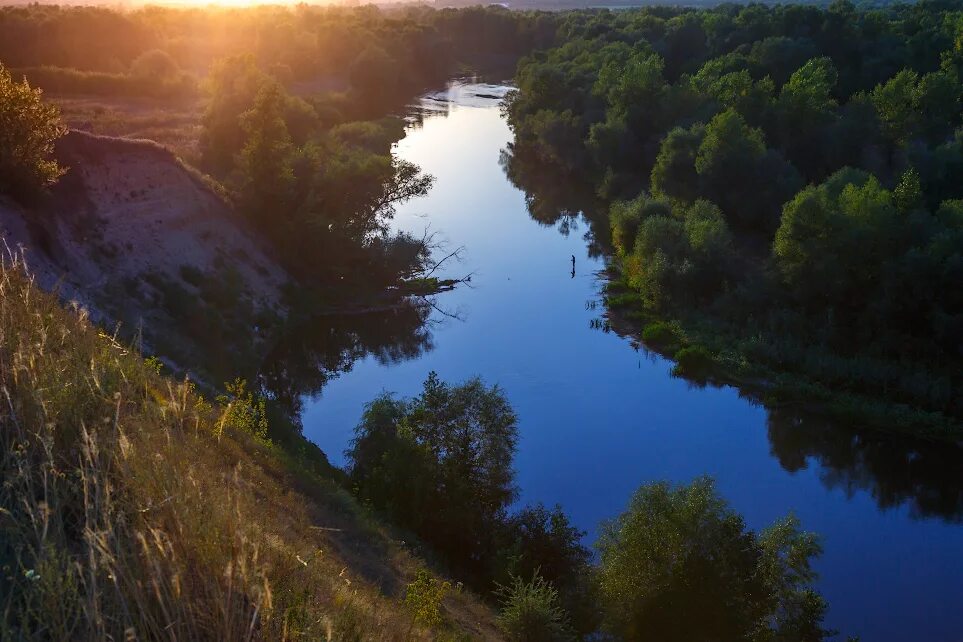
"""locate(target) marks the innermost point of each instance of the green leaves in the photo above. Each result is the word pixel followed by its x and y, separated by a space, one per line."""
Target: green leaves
pixel 679 564
pixel 423 598
pixel 531 612
pixel 28 130
pixel 440 464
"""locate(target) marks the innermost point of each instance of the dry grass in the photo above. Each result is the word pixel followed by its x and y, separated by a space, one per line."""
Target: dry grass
pixel 175 124
pixel 131 508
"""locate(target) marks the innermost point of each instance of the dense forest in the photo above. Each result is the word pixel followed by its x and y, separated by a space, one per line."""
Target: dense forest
pixel 777 186
pixel 781 187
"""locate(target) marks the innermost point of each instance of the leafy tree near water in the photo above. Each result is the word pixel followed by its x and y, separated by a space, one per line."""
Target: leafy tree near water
pixel 680 564
pixel 440 464
pixel 29 128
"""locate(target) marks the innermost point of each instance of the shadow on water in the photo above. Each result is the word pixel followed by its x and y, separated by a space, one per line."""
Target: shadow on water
pixel 895 470
pixel 315 351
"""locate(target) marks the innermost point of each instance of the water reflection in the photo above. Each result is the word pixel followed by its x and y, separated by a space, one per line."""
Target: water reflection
pixel 894 470
pixel 310 354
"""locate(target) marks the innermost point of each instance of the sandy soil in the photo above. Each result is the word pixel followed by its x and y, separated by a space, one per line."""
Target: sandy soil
pixel 128 208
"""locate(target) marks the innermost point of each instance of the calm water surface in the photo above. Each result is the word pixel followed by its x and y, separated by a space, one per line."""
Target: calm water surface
pixel 599 416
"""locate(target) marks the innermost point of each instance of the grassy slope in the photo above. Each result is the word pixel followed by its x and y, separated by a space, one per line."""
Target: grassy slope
pixel 133 507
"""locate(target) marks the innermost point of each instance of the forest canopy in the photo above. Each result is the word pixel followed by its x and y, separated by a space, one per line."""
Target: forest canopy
pixel 784 178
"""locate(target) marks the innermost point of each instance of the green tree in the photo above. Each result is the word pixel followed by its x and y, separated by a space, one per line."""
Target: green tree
pixel 908 195
pixel 531 612
pixel 625 218
pixel 806 110
pixel 728 149
pixel 674 174
pixel 737 172
pixel 265 162
pixel 440 464
pixel 375 74
pixel 938 96
pixel 233 84
pixel 834 239
pixel 680 564
pixel 29 127
pixel 896 103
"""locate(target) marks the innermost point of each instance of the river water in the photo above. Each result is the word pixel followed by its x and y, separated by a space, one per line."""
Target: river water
pixel 598 415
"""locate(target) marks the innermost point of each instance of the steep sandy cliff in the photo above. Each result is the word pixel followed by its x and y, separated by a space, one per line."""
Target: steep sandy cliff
pixel 135 235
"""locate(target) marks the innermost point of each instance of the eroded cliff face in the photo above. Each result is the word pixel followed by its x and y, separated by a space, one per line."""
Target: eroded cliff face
pixel 141 239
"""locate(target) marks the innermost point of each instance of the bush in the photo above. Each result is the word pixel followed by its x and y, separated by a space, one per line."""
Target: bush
pixel 660 334
pixel 154 64
pixel 679 564
pixel 28 129
pixel 692 361
pixel 626 216
pixel 424 596
pixel 531 613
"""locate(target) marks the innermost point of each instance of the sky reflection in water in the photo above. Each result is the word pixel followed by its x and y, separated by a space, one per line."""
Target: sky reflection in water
pixel 598 417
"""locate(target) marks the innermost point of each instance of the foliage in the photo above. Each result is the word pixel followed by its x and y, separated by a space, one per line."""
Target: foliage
pixel 679 564
pixel 772 176
pixel 440 465
pixel 242 410
pixel 530 611
pixel 29 128
pixel 265 162
pixel 660 334
pixel 424 597
pixel 155 64
pixel 692 361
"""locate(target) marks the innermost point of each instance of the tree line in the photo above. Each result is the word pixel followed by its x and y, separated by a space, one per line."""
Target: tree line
pixel 784 179
pixel 166 52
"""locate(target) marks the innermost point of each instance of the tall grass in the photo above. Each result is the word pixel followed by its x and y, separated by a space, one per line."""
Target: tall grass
pixel 131 508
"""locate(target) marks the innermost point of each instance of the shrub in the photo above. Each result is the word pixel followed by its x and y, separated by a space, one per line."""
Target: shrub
pixel 424 596
pixel 626 216
pixel 28 129
pixel 154 64
pixel 242 410
pixel 65 80
pixel 531 611
pixel 692 361
pixel 660 334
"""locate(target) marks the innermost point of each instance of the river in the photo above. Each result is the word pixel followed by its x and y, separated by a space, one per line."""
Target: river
pixel 599 415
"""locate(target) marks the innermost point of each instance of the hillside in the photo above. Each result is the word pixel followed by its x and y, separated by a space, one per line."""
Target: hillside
pixel 133 508
pixel 137 236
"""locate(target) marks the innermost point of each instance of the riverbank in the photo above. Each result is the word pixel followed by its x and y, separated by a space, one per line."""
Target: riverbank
pixel 716 356
pixel 133 504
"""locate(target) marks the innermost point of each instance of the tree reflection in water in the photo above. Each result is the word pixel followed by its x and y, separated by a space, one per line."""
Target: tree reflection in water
pixel 895 470
pixel 315 351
